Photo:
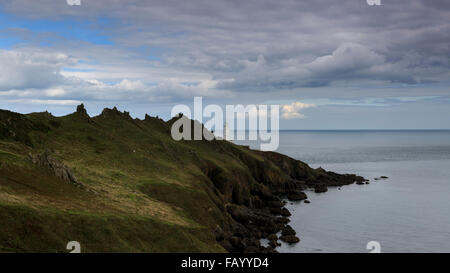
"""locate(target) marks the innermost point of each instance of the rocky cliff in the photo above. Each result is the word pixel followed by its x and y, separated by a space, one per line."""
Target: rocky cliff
pixel 115 183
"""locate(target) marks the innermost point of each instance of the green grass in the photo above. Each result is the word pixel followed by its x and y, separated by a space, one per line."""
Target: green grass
pixel 145 191
pixel 39 230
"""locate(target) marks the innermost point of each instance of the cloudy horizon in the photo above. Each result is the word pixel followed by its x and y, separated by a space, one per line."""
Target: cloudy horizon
pixel 329 64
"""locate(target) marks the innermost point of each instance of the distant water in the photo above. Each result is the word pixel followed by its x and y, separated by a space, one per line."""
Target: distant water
pixel 409 212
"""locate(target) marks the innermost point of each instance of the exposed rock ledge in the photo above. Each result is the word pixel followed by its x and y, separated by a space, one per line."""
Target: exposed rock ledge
pixel 54 166
pixel 264 214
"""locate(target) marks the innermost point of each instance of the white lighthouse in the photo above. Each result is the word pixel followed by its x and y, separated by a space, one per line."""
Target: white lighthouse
pixel 226 132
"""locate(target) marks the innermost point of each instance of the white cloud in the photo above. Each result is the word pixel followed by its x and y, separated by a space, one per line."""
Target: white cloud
pixel 24 69
pixel 292 111
pixel 347 58
pixel 46 102
pixel 173 90
pixel 38 74
pixel 56 102
pixel 55 92
pixel 129 85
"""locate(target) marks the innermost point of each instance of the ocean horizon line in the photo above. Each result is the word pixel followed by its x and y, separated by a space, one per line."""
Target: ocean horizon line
pixel 352 130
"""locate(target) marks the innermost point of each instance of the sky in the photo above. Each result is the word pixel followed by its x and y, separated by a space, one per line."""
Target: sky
pixel 329 64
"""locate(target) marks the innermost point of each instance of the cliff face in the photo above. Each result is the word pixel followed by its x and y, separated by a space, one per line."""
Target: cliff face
pixel 141 190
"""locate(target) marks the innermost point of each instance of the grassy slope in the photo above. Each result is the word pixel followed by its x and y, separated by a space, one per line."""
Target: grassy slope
pixel 146 192
pixel 140 198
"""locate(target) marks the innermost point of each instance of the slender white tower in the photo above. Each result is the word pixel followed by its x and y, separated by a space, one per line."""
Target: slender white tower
pixel 226 132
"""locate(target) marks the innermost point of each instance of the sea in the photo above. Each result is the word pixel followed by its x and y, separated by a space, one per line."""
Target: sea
pixel 408 212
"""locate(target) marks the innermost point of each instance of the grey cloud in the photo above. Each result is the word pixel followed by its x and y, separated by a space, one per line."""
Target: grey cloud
pixel 257 45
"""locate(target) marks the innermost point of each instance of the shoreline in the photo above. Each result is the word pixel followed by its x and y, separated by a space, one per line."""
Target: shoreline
pixel 257 223
pixel 234 192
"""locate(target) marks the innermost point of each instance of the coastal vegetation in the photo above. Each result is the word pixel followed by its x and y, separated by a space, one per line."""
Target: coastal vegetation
pixel 119 184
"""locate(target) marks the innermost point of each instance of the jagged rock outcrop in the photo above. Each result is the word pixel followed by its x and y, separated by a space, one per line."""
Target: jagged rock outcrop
pixel 81 112
pixel 54 166
pixel 111 113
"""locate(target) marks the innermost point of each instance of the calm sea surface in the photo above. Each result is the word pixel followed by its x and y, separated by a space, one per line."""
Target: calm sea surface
pixel 409 212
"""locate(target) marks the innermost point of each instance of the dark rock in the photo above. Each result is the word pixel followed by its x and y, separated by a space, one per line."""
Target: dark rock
pixel 226 245
pixel 288 230
pixel 270 249
pixel 307 201
pixel 275 204
pixel 258 234
pixel 273 243
pixel 282 220
pixel 220 235
pixel 238 213
pixel 237 243
pixel 241 233
pixel 290 239
pixel 320 188
pixel 252 242
pixel 81 111
pixel 297 196
pixel 285 212
pixel 256 202
pixel 251 249
pixel 275 211
pixel 56 167
pixel 272 237
pixel 384 177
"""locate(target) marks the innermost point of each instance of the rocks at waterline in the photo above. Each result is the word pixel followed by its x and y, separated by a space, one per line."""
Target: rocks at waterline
pixel 288 235
pixel 282 220
pixel 285 212
pixel 381 177
pixel 273 240
pixel 307 201
pixel 260 222
pixel 297 196
pixel 274 244
pixel 320 188
pixel 290 239
pixel 251 225
pixel 288 230
pixel 280 211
